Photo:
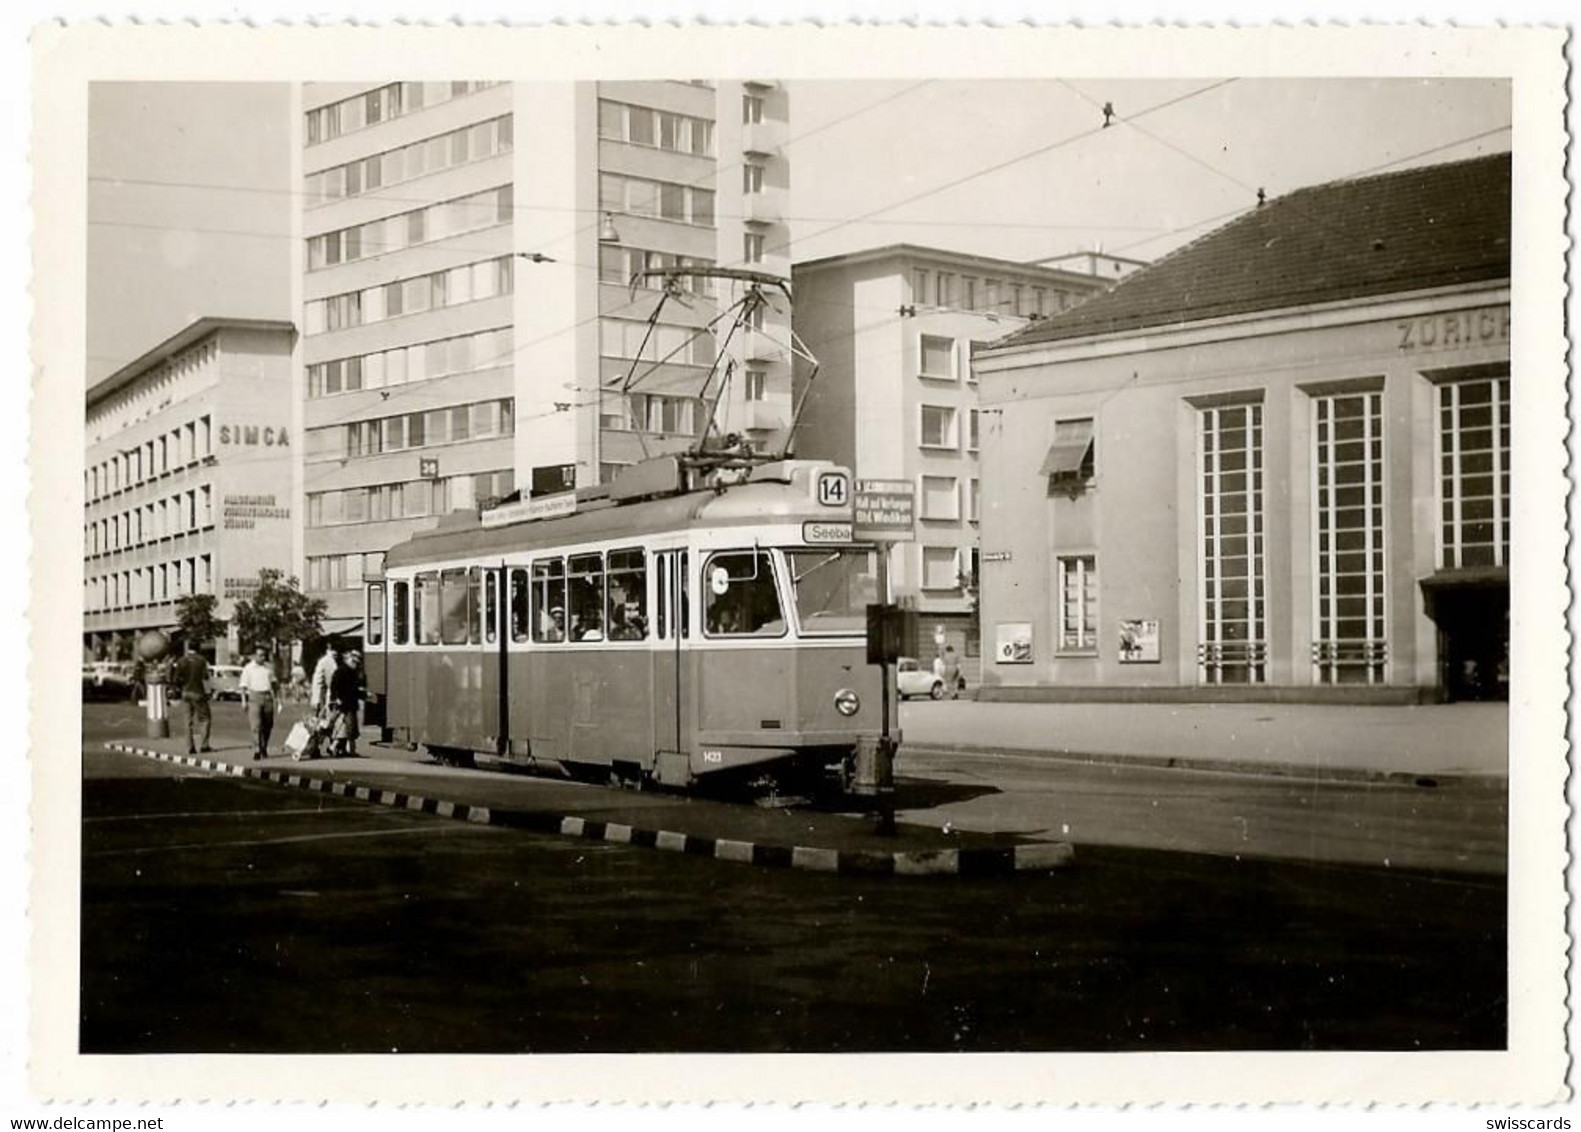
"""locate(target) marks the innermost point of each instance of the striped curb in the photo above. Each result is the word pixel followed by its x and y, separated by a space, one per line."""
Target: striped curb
pixel 1040 857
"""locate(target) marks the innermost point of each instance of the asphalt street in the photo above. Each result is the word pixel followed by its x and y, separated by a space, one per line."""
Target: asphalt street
pixel 228 915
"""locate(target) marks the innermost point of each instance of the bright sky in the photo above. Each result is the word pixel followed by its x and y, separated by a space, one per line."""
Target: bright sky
pixel 1003 168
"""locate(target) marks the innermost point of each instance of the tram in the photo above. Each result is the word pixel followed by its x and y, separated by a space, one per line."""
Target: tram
pixel 680 626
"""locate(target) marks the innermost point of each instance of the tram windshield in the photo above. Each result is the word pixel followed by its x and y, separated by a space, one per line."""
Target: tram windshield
pixel 833 589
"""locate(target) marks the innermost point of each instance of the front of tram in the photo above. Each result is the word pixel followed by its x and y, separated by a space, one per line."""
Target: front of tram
pixel 787 696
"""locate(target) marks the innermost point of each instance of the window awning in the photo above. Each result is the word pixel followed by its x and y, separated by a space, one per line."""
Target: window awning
pixel 1072 443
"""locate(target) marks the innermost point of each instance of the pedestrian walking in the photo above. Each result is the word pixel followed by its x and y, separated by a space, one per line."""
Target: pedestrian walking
pixel 323 673
pixel 346 693
pixel 298 690
pixel 192 677
pixel 951 672
pixel 258 683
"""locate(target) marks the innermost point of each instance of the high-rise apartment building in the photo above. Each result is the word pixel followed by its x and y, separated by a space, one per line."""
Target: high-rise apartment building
pixel 468 251
pixel 894 329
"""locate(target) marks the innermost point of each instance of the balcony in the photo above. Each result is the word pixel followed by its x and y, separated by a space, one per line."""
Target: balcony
pixel 764 138
pixel 763 208
pixel 765 416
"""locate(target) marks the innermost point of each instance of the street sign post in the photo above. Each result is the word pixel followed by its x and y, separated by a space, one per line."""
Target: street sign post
pixel 884 511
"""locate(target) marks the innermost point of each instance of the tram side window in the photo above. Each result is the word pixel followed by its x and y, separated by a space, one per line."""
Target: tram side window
pixel 585 576
pixel 400 596
pixel 454 594
pixel 741 598
pixel 521 604
pixel 548 601
pixel 375 600
pixel 627 614
pixel 474 603
pixel 426 609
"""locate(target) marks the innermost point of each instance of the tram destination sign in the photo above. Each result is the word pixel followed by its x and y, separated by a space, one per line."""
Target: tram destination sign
pixel 885 511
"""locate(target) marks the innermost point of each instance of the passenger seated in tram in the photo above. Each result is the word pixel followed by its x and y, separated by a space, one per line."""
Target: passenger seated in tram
pixel 628 623
pixel 554 625
pixel 587 628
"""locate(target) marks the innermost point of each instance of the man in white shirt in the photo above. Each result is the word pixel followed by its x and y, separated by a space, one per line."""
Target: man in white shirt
pixel 257 683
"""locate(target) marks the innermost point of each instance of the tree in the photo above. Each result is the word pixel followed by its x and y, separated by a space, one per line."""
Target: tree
pixel 967 581
pixel 195 616
pixel 277 614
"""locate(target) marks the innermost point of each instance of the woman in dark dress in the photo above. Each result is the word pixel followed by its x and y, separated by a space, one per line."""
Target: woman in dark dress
pixel 346 693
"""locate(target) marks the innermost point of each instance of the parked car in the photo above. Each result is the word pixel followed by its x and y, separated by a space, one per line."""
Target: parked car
pixel 107 680
pixel 226 680
pixel 912 679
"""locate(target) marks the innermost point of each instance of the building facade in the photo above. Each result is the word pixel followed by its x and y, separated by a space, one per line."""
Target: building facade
pixel 895 330
pixel 188 479
pixel 1274 465
pixel 468 253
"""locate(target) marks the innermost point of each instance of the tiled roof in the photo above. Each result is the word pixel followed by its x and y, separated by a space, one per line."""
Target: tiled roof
pixel 1434 226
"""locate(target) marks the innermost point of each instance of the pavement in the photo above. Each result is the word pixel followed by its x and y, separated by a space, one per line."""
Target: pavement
pixel 799 838
pixel 1316 741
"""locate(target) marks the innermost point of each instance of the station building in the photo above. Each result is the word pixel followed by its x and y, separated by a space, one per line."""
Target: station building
pixel 895 330
pixel 467 255
pixel 188 479
pixel 1275 464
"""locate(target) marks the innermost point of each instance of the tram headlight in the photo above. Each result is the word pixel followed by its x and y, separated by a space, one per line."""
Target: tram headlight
pixel 847 702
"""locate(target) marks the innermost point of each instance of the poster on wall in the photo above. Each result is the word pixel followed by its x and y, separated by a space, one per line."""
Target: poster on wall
pixel 1013 642
pixel 1139 641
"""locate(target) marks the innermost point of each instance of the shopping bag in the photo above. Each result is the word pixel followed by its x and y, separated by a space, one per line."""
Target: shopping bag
pixel 299 740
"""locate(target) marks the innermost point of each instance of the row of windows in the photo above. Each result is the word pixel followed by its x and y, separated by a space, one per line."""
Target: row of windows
pixel 662 413
pixel 167 581
pixel 169 452
pixel 409 500
pixel 603 596
pixel 393 100
pixel 403 365
pixel 992 296
pixel 620 264
pixel 408 162
pixel 480 420
pixel 409 229
pixel 467 283
pixel 660 200
pixel 174 515
pixel 661 129
pixel 676 345
pixel 155 390
pixel 938 359
pixel 342 571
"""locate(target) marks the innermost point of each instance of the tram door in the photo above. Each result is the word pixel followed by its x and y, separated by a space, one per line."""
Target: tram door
pixel 495 698
pixel 671 715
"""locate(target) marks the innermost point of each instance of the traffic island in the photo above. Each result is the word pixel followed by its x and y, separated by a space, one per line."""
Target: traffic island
pixel 838 843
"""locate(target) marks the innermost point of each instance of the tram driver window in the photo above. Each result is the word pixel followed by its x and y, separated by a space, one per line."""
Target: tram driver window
pixel 586 578
pixel 521 605
pixel 400 595
pixel 455 593
pixel 426 611
pixel 548 601
pixel 627 615
pixel 741 600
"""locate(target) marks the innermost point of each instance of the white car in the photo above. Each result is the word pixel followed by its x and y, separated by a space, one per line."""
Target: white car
pixel 911 679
